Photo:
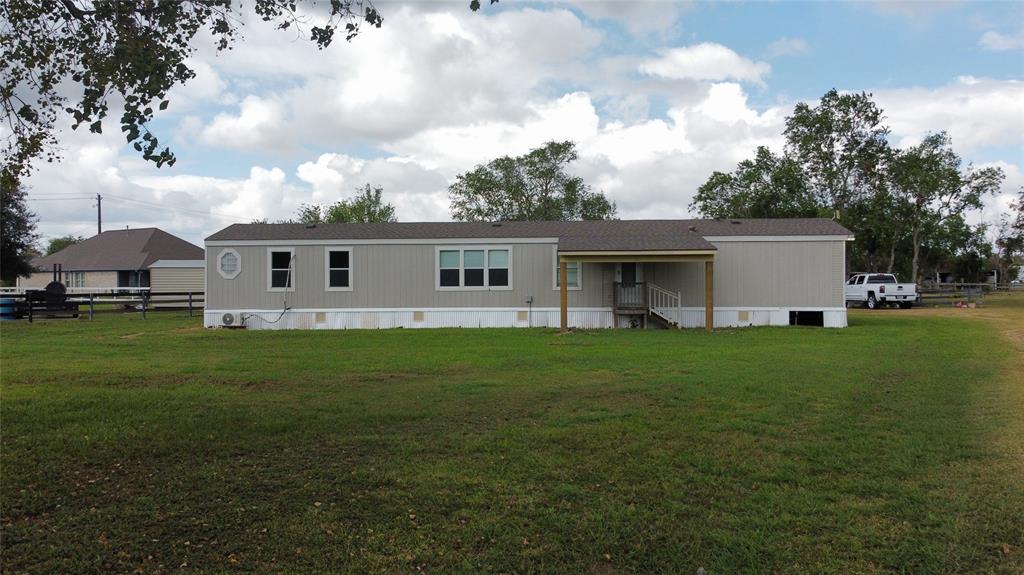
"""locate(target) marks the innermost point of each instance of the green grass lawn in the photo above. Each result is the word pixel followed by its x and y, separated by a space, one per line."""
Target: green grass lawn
pixel 157 446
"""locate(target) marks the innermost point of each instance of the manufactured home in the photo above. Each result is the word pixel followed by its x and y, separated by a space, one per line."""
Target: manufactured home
pixel 582 274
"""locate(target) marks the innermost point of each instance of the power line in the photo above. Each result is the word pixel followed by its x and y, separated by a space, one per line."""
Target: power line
pixel 177 208
pixel 141 203
pixel 32 199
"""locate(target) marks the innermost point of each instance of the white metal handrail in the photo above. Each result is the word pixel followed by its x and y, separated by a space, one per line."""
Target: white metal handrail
pixel 665 304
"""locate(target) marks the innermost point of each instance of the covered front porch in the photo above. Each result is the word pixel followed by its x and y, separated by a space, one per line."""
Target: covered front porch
pixel 636 298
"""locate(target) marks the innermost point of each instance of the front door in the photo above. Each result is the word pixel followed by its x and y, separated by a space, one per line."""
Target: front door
pixel 628 274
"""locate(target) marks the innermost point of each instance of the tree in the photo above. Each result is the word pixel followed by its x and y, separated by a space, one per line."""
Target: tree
pixel 127 54
pixel 57 244
pixel 535 186
pixel 877 221
pixel 17 231
pixel 1010 240
pixel 928 177
pixel 768 186
pixel 840 144
pixel 367 206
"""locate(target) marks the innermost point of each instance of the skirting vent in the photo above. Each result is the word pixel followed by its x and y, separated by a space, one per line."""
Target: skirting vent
pixel 813 318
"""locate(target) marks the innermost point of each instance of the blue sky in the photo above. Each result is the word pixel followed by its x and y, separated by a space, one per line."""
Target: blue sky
pixel 657 95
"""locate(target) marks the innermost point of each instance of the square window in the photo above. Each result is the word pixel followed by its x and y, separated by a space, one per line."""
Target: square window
pixel 497 277
pixel 338 259
pixel 280 260
pixel 497 259
pixel 280 279
pixel 450 259
pixel 473 258
pixel 474 277
pixel 339 278
pixel 450 278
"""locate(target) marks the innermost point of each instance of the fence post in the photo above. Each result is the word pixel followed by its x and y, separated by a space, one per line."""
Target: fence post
pixel 28 302
pixel 144 298
pixel 189 304
pixel 90 306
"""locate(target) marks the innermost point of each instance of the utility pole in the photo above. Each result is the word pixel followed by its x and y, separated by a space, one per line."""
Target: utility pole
pixel 99 214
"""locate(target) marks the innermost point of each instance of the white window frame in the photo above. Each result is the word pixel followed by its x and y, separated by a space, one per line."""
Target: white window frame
pixel 554 278
pixel 327 267
pixel 270 269
pixel 462 267
pixel 238 257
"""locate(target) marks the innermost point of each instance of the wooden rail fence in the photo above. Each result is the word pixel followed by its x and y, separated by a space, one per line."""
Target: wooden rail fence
pixel 38 304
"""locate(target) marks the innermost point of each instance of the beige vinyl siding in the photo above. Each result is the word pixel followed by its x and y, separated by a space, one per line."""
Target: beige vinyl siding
pixel 176 279
pixel 396 276
pixel 762 274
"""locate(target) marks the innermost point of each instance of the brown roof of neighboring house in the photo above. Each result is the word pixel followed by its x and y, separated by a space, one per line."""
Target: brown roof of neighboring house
pixel 121 250
pixel 607 235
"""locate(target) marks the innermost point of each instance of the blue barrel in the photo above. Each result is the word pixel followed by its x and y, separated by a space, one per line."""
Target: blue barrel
pixel 7 308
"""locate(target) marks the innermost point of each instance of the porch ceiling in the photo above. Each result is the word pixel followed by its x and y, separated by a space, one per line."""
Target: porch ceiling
pixel 616 256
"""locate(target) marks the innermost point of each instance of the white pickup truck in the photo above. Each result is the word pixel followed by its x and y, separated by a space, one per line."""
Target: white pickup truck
pixel 877 290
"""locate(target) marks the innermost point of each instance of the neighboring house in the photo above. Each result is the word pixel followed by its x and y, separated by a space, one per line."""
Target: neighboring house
pixel 478 274
pixel 115 259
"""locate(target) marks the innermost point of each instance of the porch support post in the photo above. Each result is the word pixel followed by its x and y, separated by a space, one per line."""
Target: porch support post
pixel 709 295
pixel 563 293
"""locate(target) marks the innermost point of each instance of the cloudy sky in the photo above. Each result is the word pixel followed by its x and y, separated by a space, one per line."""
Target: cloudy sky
pixel 657 95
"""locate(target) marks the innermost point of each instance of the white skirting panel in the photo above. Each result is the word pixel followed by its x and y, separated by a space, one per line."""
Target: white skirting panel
pixel 693 317
pixel 591 318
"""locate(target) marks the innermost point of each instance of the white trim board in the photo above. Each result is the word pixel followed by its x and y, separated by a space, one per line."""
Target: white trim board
pixel 713 239
pixel 364 242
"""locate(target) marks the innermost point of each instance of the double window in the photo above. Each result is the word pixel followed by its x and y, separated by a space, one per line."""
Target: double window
pixel 338 269
pixel 281 273
pixel 74 279
pixel 474 268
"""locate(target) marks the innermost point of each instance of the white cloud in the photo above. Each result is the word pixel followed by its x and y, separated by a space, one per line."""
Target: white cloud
pixel 977 112
pixel 422 70
pixel 786 47
pixel 997 42
pixel 258 125
pixel 706 61
pixel 416 192
pixel 640 18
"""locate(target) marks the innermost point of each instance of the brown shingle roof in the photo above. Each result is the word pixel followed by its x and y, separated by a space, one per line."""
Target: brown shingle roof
pixel 633 235
pixel 121 250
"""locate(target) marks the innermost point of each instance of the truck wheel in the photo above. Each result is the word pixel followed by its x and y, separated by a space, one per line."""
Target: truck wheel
pixel 872 302
pixel 906 305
